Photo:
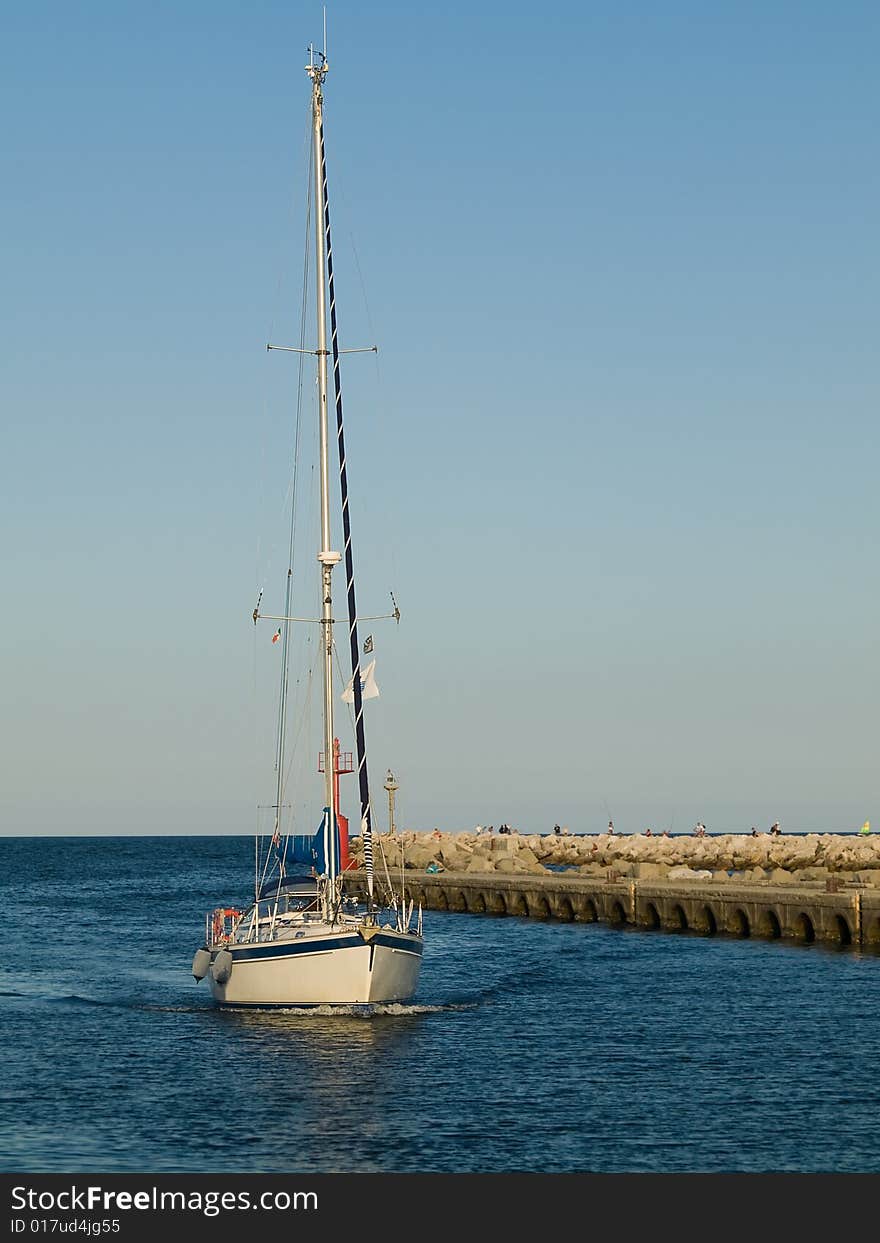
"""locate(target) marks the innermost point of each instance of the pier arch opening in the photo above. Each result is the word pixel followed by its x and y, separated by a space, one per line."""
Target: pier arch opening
pixel 738 923
pixel 515 904
pixel 844 933
pixel 769 925
pixel 651 917
pixel 678 921
pixel 803 928
pixel 563 909
pixel 617 915
pixel 707 922
pixel 495 904
pixel 476 904
pixel 457 901
pixel 441 901
pixel 586 912
pixel 538 906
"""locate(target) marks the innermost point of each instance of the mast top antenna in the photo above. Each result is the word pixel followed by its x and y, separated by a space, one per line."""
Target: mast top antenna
pixel 318 64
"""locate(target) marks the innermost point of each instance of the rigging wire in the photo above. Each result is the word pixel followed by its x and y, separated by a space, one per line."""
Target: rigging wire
pixel 264 558
pixel 294 496
pixel 303 729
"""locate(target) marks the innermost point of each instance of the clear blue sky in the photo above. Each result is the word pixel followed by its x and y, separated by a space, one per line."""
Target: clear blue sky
pixel 617 457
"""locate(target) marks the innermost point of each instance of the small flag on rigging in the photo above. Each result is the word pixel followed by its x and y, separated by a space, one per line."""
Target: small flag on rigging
pixel 369 689
pixel 277 635
pixel 368 644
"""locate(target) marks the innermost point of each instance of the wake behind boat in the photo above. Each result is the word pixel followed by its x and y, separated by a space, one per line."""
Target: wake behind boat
pixel 302 941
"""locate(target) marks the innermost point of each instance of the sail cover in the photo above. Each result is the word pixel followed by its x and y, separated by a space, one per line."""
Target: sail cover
pixel 300 857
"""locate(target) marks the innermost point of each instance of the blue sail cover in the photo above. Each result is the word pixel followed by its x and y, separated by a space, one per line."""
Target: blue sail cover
pixel 300 857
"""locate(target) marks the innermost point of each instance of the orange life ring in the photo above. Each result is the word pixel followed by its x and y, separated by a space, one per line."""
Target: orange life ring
pixel 221 914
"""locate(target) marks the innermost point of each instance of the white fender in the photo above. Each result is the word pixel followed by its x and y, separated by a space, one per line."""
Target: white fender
pixel 221 967
pixel 201 963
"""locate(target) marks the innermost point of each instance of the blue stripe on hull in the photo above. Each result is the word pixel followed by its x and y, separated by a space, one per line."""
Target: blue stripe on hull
pixel 293 949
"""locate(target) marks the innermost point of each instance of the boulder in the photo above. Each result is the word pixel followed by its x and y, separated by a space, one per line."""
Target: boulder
pixel 813 874
pixel 642 870
pixel 418 856
pixel 454 860
pixel 513 863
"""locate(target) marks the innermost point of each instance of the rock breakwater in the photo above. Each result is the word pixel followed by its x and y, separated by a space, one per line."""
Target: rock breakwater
pixel 815 858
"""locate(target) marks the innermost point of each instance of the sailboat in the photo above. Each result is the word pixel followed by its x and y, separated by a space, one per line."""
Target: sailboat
pixel 305 939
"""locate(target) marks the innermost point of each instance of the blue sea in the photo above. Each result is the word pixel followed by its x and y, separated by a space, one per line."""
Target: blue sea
pixel 536 1047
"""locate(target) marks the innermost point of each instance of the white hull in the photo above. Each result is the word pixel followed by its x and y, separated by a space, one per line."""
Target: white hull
pixel 331 968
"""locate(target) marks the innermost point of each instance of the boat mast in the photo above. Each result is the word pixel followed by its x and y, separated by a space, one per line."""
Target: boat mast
pixel 317 71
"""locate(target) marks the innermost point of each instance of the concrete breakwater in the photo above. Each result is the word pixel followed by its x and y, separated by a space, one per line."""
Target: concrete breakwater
pixel 826 859
pixel 845 917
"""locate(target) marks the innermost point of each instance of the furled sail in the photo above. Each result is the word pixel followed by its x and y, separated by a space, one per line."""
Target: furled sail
pixel 300 856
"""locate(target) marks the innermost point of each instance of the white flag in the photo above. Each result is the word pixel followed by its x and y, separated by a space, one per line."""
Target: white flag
pixel 369 689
